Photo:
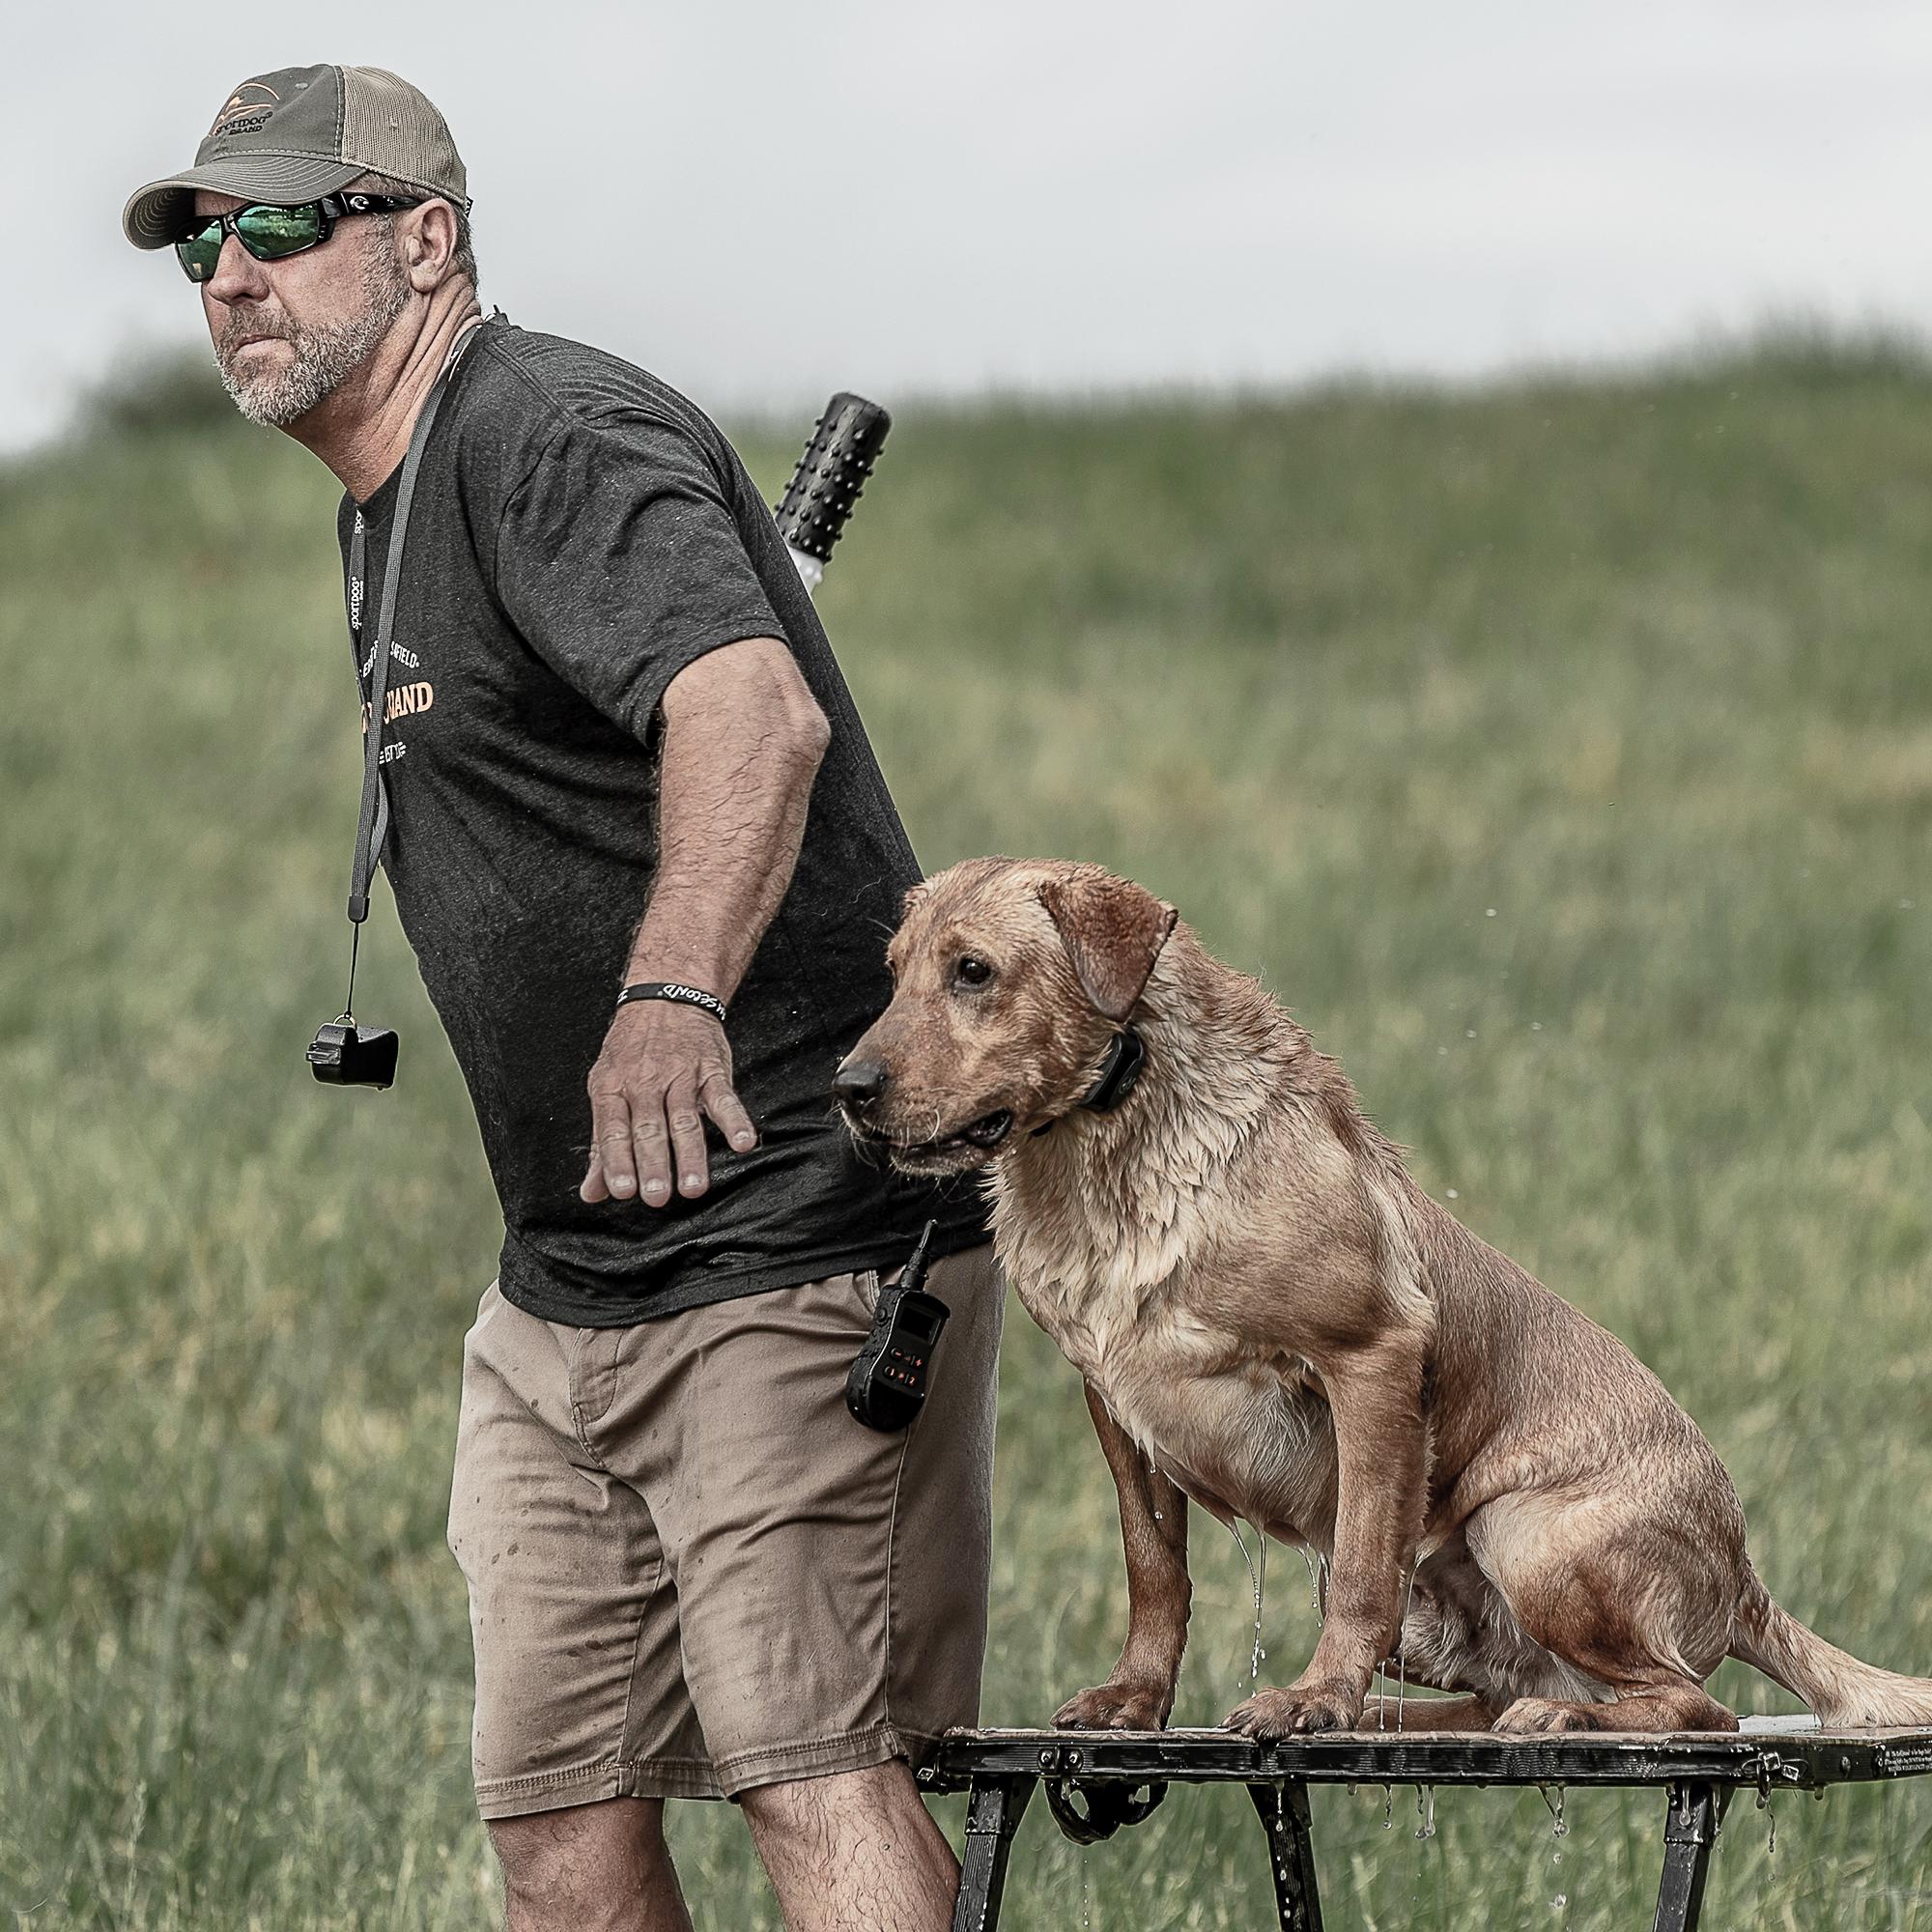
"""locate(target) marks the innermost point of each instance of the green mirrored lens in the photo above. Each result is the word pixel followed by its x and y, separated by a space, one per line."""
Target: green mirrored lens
pixel 199 253
pixel 268 232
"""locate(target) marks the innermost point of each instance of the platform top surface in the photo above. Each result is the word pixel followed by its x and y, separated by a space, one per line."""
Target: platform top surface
pixel 1771 1754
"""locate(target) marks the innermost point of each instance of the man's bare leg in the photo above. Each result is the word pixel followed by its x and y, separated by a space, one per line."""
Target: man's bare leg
pixel 601 1867
pixel 856 1849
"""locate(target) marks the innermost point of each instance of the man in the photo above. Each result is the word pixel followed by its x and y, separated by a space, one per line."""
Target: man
pixel 690 1572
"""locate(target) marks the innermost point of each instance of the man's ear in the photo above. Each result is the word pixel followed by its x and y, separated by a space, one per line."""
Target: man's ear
pixel 1113 932
pixel 429 242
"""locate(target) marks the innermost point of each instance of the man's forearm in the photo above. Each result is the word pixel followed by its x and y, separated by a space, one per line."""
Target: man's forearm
pixel 742 743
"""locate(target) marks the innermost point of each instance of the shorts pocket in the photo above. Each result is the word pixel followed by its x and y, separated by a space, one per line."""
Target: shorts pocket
pixel 866 1286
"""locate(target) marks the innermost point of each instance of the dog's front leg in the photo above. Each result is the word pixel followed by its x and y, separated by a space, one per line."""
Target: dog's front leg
pixel 1139 1693
pixel 1375 1397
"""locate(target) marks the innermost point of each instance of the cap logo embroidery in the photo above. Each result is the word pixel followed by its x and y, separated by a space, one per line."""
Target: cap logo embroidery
pixel 240 114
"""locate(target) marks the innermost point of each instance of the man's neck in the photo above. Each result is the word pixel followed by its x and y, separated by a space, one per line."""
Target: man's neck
pixel 361 428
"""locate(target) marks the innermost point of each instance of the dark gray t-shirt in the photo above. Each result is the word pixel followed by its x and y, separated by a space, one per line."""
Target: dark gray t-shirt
pixel 581 533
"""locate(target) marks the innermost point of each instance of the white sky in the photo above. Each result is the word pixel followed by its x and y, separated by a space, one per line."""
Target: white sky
pixel 764 202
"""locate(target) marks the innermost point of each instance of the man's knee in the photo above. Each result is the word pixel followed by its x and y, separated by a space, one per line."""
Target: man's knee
pixel 608 1850
pixel 854 1847
pixel 819 1811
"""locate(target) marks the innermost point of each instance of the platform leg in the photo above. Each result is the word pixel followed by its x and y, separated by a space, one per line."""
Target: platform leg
pixel 1690 1831
pixel 993 1813
pixel 1284 1809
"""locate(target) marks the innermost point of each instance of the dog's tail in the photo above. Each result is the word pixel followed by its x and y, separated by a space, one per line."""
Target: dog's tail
pixel 1843 1692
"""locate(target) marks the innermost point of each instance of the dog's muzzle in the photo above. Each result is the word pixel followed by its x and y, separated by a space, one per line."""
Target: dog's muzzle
pixel 859 1086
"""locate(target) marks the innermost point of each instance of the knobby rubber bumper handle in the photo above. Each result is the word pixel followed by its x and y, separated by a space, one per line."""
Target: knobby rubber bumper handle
pixel 818 501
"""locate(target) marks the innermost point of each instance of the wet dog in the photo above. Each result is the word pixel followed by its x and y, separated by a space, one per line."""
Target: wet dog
pixel 1274 1321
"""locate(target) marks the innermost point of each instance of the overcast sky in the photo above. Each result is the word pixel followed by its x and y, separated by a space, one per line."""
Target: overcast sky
pixel 764 202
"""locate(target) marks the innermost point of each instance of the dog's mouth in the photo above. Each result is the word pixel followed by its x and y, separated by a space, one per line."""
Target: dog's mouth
pixel 975 1139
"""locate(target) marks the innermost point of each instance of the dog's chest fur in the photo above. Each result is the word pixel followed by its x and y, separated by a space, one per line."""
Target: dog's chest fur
pixel 1108 1237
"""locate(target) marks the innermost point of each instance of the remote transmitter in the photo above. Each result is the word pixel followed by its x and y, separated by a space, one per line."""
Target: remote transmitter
pixel 886 1385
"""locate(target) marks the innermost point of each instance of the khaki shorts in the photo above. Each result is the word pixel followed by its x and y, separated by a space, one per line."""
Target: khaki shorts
pixel 691 1572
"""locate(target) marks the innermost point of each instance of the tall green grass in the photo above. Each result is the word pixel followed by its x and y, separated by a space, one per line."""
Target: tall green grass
pixel 1561 753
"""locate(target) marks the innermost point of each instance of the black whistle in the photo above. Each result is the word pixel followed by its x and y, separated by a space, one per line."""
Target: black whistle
pixel 886 1386
pixel 343 1054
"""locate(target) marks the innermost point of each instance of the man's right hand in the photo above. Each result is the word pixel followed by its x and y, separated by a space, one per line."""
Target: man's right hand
pixel 664 1070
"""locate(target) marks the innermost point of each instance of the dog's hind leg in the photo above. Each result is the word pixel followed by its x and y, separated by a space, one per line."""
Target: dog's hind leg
pixel 1138 1692
pixel 1640 1611
pixel 1666 1704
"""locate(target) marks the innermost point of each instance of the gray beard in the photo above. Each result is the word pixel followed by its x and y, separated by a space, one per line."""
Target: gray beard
pixel 325 356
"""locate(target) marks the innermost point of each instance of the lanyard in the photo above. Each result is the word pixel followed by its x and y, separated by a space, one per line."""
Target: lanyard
pixel 372 823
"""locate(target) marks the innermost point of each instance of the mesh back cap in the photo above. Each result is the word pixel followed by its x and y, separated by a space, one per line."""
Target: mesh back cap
pixel 301 131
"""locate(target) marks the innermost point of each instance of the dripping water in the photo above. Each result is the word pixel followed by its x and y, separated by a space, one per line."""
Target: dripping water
pixel 1424 1810
pixel 1258 1580
pixel 1401 1661
pixel 1559 1828
pixel 1314 1579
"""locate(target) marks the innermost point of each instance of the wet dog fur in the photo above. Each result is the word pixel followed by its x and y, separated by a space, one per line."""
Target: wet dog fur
pixel 1272 1320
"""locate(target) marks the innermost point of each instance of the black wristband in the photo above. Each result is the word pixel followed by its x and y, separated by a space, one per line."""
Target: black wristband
pixel 677 993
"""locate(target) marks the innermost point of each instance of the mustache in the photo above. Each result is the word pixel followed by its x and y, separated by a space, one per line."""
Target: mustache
pixel 251 326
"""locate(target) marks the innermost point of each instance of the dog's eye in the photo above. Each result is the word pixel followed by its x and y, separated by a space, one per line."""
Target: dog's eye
pixel 970 972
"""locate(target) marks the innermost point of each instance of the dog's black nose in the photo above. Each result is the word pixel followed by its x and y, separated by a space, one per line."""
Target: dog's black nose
pixel 858 1083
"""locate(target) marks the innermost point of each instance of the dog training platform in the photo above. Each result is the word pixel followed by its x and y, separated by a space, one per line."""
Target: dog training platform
pixel 1097 1782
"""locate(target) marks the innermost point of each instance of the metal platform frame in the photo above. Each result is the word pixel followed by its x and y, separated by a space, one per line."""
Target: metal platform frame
pixel 1099 1781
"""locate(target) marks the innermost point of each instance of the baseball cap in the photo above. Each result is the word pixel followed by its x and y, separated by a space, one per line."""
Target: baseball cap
pixel 301 133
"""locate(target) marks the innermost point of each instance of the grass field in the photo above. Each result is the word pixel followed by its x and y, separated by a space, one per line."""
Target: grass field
pixel 1562 754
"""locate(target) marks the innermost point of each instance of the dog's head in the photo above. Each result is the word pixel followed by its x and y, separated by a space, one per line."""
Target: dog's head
pixel 1011 976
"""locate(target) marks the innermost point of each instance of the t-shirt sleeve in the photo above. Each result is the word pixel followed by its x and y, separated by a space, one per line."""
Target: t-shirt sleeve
pixel 619 560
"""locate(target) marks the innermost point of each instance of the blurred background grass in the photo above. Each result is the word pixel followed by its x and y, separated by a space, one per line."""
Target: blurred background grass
pixel 1560 752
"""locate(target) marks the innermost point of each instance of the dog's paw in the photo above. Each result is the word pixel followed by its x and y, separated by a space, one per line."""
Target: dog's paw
pixel 1296 1711
pixel 1534 1716
pixel 1115 1707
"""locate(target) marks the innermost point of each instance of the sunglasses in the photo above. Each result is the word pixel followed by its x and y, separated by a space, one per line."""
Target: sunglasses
pixel 269 232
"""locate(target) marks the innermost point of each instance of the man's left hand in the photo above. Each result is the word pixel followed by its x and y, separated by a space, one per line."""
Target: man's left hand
pixel 665 1068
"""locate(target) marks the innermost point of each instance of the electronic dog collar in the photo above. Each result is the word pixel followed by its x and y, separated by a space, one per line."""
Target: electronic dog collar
pixel 1127 1055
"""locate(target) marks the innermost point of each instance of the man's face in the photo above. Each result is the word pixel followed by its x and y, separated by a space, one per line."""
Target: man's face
pixel 286 333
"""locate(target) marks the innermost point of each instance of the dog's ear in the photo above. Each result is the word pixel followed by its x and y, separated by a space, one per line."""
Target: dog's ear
pixel 916 896
pixel 1113 932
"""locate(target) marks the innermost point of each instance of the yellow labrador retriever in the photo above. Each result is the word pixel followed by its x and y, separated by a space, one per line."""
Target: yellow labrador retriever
pixel 1273 1320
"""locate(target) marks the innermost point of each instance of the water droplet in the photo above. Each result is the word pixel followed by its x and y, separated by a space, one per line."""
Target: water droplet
pixel 1452 1194
pixel 1489 912
pixel 1425 1809
pixel 1557 1903
pixel 1535 1026
pixel 1388 1808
